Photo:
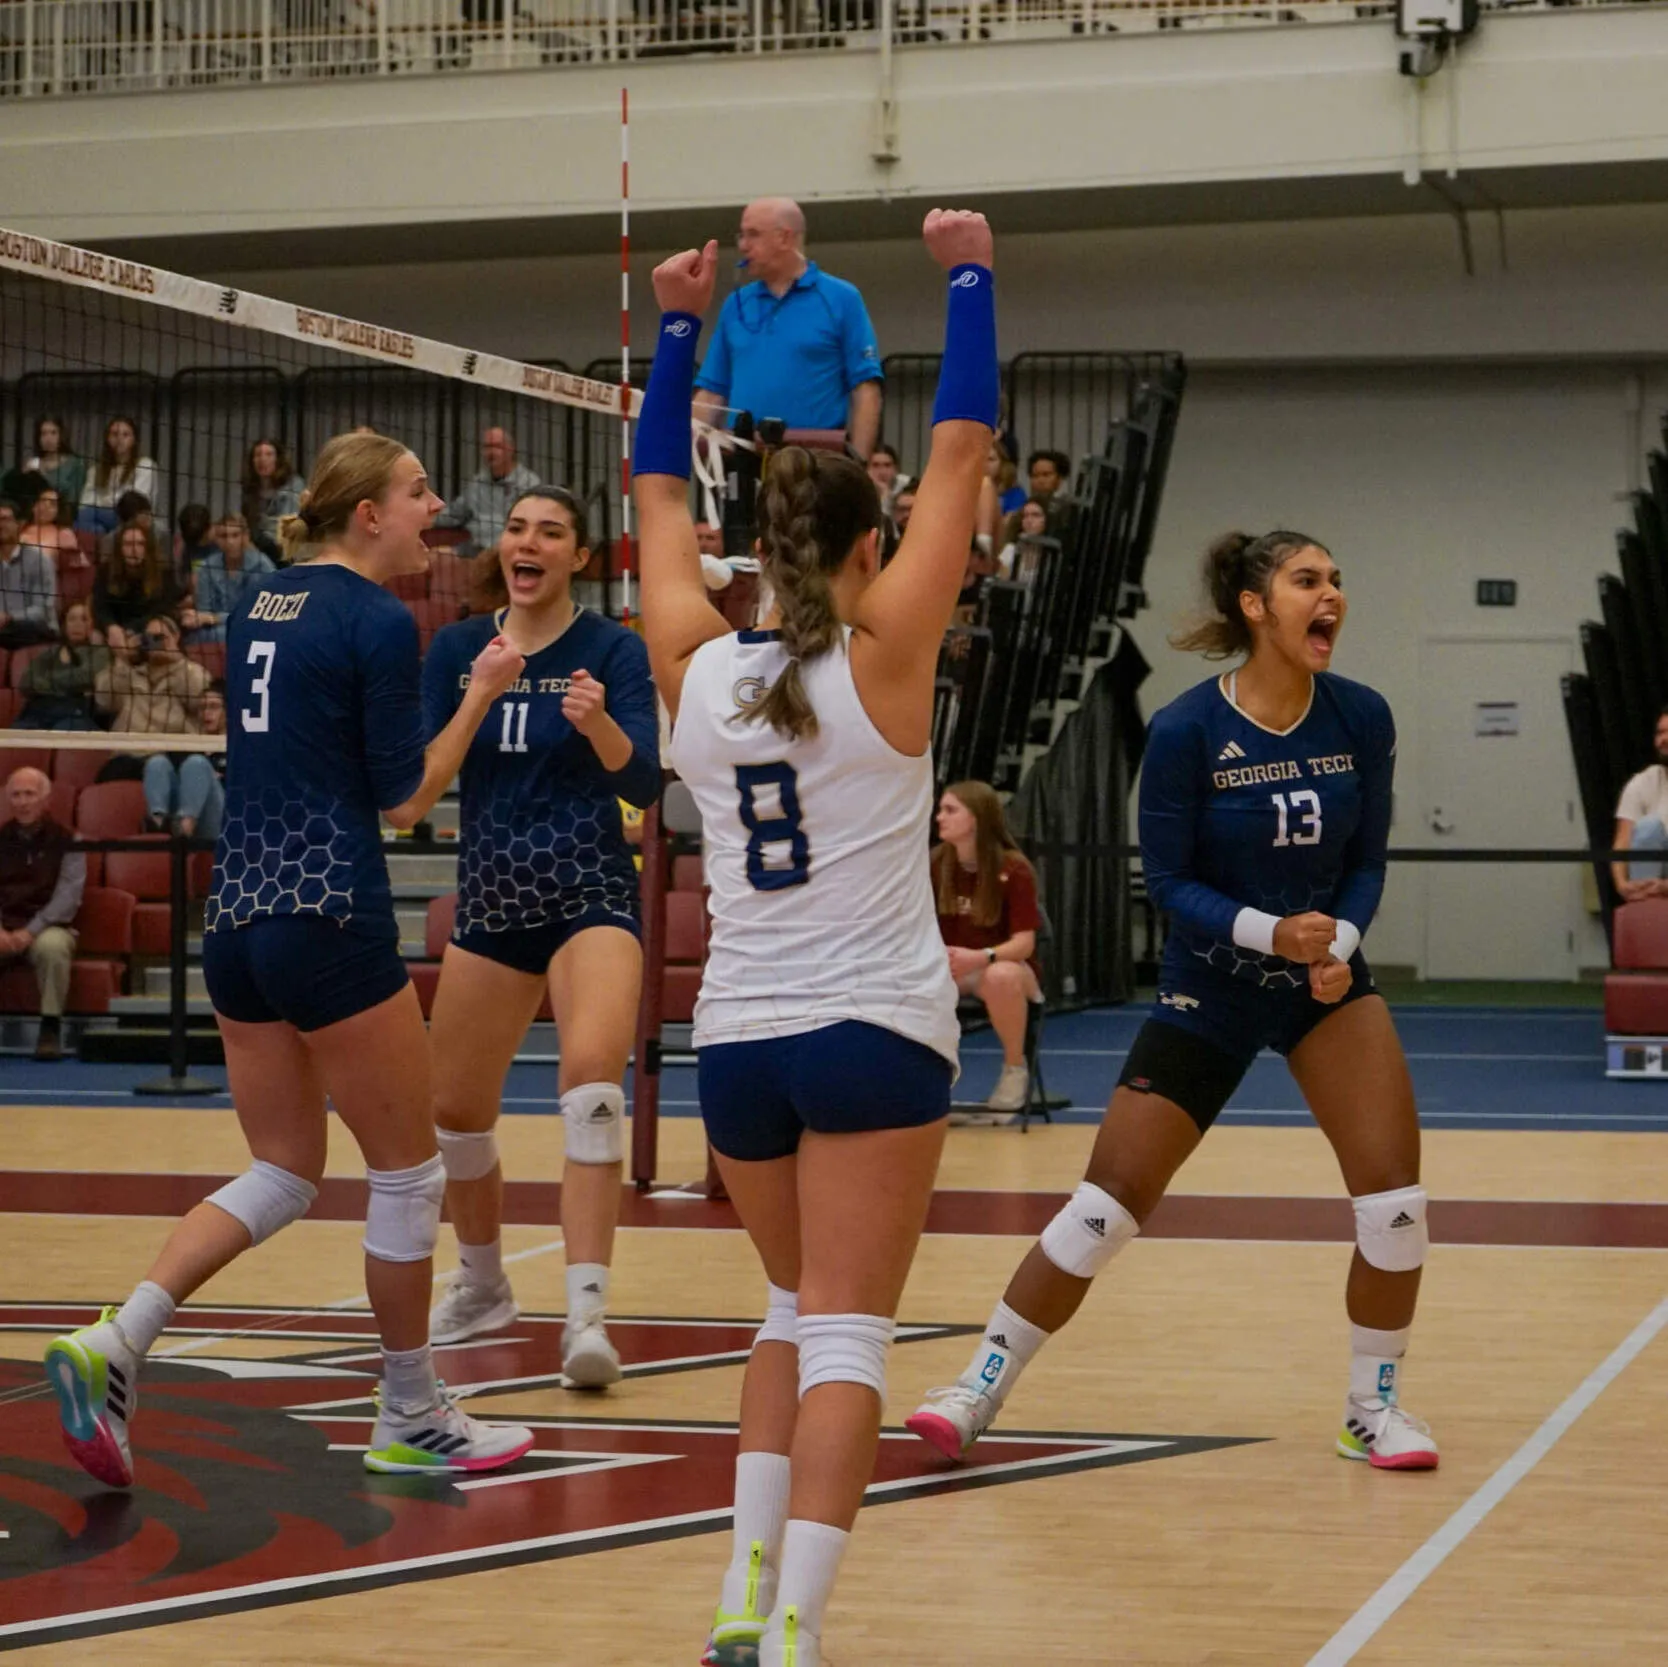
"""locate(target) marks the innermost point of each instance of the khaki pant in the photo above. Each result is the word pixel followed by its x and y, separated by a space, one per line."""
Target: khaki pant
pixel 50 956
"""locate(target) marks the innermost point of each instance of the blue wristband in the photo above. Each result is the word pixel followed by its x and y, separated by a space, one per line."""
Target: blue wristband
pixel 970 379
pixel 663 423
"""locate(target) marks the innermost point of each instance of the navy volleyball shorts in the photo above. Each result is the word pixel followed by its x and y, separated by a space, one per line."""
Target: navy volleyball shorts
pixel 303 970
pixel 758 1098
pixel 1206 1028
pixel 531 949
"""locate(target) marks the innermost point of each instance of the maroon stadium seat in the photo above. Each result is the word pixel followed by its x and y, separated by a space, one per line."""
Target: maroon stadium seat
pixel 111 810
pixel 1636 993
pixel 686 953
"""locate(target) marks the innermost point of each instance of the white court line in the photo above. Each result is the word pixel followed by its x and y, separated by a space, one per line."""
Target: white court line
pixel 1359 1630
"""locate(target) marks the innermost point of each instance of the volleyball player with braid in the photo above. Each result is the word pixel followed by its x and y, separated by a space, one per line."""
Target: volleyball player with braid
pixel 302 957
pixel 825 1032
pixel 547 901
pixel 1265 815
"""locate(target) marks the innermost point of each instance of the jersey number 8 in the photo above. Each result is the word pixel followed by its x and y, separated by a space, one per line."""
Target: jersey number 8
pixel 784 828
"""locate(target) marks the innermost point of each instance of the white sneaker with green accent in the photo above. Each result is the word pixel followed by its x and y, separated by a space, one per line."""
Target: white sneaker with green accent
pixel 1381 1434
pixel 444 1441
pixel 589 1358
pixel 734 1639
pixel 468 1309
pixel 95 1374
pixel 793 1646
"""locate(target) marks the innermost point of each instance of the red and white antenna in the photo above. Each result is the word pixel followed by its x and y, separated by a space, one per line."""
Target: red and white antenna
pixel 625 349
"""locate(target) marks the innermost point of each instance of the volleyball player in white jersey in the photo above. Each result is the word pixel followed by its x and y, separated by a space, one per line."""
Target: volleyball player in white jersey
pixel 826 1028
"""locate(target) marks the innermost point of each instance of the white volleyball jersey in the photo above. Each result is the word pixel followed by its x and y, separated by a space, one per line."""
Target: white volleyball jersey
pixel 816 856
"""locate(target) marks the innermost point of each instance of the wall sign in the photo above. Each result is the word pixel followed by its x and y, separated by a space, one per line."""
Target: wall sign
pixel 1497 717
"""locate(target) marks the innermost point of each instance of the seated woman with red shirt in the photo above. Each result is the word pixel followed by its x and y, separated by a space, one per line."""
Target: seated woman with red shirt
pixel 988 915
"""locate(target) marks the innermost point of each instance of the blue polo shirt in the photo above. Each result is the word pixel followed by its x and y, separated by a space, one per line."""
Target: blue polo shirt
pixel 797 356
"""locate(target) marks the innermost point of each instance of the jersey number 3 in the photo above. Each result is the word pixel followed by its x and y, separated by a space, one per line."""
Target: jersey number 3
pixel 1305 802
pixel 784 828
pixel 256 720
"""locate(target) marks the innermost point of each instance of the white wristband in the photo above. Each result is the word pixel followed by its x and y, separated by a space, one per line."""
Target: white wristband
pixel 1347 941
pixel 1255 930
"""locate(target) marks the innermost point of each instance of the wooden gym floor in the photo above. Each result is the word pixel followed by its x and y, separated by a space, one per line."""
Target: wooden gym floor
pixel 1164 1490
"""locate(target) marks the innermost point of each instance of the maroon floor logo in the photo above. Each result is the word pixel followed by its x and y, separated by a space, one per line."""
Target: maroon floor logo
pixel 250 1491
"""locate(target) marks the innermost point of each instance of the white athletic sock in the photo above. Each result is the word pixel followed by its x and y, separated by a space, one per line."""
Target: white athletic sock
pixel 481 1264
pixel 409 1385
pixel 1375 1362
pixel 761 1514
pixel 144 1316
pixel 1006 1349
pixel 811 1553
pixel 587 1290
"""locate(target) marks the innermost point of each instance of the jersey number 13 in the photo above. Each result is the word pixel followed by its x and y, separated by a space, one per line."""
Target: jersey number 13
pixel 1304 803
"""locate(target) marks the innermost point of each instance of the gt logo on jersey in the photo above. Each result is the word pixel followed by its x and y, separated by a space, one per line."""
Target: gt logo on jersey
pixel 1181 1003
pixel 748 692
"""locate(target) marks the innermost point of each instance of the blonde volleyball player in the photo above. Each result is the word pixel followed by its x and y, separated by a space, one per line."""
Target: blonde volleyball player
pixel 826 1029
pixel 302 957
pixel 1265 815
pixel 547 900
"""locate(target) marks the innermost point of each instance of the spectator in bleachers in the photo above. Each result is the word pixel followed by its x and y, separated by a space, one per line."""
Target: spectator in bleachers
pixel 121 467
pixel 793 342
pixel 42 878
pixel 229 569
pixel 981 564
pixel 149 685
pixel 1030 522
pixel 989 917
pixel 888 478
pixel 133 509
pixel 1642 825
pixel 271 490
pixel 484 504
pixel 185 792
pixel 58 682
pixel 1048 472
pixel 193 526
pixel 28 587
pixel 903 506
pixel 55 459
pixel 45 529
pixel 133 583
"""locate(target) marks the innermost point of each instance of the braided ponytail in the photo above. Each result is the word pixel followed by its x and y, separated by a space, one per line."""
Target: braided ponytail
pixel 1234 564
pixel 813 507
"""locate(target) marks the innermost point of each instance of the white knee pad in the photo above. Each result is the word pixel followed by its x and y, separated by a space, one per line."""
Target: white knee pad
pixel 467 1155
pixel 265 1198
pixel 1390 1229
pixel 593 1116
pixel 1088 1232
pixel 781 1319
pixel 844 1348
pixel 403 1220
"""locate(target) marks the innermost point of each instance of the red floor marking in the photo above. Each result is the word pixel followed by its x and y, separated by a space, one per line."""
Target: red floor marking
pixel 1022 1214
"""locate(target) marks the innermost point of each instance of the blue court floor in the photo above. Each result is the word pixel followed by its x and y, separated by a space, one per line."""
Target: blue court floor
pixel 1473 1068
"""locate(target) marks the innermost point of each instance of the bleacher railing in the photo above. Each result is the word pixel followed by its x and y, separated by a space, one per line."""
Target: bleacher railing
pixel 57 47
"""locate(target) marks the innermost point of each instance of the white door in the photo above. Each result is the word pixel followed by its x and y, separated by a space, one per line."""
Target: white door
pixel 1497 773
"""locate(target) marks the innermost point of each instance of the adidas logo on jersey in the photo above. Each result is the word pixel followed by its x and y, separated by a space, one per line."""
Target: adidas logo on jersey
pixel 1232 750
pixel 1096 1225
pixel 1403 1220
pixel 999 1341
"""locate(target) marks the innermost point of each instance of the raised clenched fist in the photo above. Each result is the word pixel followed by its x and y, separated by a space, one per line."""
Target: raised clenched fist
pixel 684 283
pixel 958 237
pixel 496 667
pixel 1307 937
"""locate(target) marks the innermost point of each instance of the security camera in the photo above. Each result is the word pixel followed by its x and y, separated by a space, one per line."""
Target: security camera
pixel 1435 19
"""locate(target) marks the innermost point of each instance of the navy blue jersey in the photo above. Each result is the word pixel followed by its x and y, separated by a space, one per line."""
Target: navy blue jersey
pixel 1235 816
pixel 325 729
pixel 540 830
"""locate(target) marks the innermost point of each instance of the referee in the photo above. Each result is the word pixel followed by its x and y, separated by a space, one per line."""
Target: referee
pixel 794 342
